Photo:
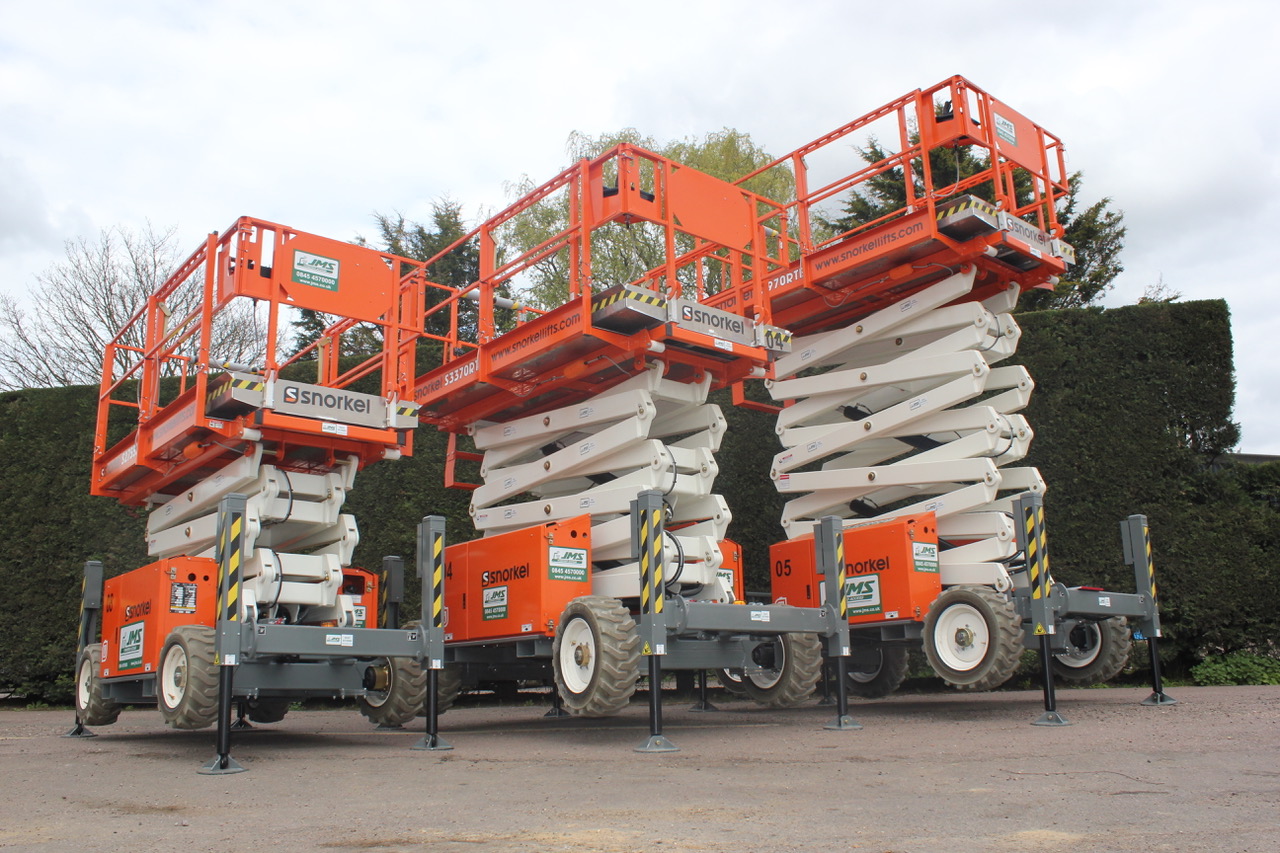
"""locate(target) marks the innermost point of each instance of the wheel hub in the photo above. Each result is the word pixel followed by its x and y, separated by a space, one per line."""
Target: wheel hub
pixel 377 678
pixel 582 656
pixel 964 638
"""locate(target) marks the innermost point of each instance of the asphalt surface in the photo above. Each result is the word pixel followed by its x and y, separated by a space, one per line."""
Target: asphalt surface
pixel 938 772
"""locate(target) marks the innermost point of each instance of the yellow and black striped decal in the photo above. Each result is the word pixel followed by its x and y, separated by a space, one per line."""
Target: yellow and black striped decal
pixel 230 559
pixel 1037 556
pixel 644 297
pixel 967 203
pixel 1151 567
pixel 776 338
pixel 651 562
pixel 233 384
pixel 841 577
pixel 236 384
pixel 437 579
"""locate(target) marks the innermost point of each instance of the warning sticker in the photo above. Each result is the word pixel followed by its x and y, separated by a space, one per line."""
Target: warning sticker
pixel 495 603
pixel 182 598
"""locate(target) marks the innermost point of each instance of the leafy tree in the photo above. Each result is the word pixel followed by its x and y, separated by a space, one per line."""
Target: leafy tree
pixel 622 254
pixel 79 304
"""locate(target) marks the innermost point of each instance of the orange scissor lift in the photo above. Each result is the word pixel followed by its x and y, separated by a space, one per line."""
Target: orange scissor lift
pixel 245 469
pixel 897 417
pixel 896 426
pixel 577 411
pixel 595 444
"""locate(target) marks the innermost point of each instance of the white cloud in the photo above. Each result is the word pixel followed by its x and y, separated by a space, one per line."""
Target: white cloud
pixel 320 113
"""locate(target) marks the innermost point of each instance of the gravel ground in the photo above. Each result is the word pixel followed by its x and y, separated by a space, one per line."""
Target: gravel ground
pixel 939 772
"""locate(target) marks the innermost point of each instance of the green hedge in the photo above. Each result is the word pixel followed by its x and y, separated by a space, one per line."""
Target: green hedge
pixel 1131 410
pixel 52 526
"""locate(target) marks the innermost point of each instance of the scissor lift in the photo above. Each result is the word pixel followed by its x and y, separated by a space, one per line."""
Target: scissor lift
pixel 895 401
pixel 577 410
pixel 245 469
pixel 596 445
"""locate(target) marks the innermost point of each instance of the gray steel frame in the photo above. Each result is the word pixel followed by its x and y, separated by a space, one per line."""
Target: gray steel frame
pixel 1060 606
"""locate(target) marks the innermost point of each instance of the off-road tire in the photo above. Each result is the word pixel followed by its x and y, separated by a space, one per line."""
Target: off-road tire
pixel 187 683
pixel 792 681
pixel 404 697
pixel 448 688
pixel 596 656
pixel 973 637
pixel 882 680
pixel 731 681
pixel 93 708
pixel 1099 652
pixel 448 684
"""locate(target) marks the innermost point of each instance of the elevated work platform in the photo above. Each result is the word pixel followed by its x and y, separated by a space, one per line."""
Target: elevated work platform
pixel 948 176
pixel 502 360
pixel 185 412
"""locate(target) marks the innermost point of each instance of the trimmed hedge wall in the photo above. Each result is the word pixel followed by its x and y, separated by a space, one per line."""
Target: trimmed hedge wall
pixel 52 526
pixel 1132 412
pixel 1132 407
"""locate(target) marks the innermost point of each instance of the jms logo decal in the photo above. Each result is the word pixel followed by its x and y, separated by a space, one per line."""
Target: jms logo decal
pixel 862 595
pixel 131 642
pixel 567 564
pixel 494 603
pixel 315 270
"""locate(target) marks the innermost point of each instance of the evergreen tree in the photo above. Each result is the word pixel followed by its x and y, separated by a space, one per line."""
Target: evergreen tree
pixel 457 269
pixel 1096 233
pixel 418 242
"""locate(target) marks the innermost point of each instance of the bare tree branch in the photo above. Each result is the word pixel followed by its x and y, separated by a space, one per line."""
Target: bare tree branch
pixel 79 304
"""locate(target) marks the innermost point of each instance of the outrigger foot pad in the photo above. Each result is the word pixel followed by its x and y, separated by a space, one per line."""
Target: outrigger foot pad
pixel 843 723
pixel 434 743
pixel 221 766
pixel 657 743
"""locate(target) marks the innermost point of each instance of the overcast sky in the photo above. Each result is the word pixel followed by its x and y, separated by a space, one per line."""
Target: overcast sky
pixel 317 114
